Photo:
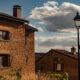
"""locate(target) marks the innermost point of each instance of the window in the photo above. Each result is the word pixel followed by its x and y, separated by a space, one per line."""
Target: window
pixel 56 59
pixel 4 35
pixel 4 60
pixel 58 67
pixel 41 68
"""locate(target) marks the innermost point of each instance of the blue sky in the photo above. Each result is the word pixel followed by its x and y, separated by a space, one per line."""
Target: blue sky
pixel 53 19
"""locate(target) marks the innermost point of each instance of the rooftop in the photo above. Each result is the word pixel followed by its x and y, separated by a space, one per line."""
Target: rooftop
pixel 9 17
pixel 62 52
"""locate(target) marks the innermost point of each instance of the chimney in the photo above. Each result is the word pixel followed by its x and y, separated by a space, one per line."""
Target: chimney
pixel 17 11
pixel 73 50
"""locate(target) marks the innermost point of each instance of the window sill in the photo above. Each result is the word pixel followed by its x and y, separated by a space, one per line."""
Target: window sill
pixel 3 40
pixel 5 67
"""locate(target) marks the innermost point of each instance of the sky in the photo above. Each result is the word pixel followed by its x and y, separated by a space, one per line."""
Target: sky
pixel 52 18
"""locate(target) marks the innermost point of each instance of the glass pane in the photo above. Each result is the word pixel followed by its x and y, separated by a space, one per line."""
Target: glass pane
pixel 1 60
pixel 0 34
pixel 58 67
pixel 4 34
pixel 77 23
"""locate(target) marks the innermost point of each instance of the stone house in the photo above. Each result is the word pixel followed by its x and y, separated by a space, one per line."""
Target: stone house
pixel 16 42
pixel 59 61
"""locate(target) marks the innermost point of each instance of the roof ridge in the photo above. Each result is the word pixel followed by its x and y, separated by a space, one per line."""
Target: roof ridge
pixel 12 17
pixel 69 55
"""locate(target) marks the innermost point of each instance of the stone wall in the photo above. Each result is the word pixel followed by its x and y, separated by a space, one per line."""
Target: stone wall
pixel 21 54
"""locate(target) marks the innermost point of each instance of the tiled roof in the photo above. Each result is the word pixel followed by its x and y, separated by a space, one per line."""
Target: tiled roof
pixel 6 16
pixel 9 17
pixel 62 52
pixel 66 53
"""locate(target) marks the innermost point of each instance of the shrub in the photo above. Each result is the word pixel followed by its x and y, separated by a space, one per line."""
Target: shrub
pixel 60 76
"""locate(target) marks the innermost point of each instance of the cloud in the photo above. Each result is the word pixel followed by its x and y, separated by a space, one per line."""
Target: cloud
pixel 40 29
pixel 54 3
pixel 70 30
pixel 43 44
pixel 57 18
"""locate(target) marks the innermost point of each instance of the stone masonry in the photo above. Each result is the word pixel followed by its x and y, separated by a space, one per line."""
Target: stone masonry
pixel 19 47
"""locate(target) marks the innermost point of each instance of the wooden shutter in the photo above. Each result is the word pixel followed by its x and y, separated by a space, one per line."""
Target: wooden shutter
pixel 62 67
pixel 9 64
pixel 5 60
pixel 7 35
pixel 54 67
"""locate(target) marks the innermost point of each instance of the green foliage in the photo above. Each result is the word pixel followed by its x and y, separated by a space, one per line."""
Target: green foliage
pixel 60 76
pixel 14 73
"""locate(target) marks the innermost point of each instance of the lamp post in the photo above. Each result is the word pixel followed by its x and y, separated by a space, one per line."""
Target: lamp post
pixel 77 24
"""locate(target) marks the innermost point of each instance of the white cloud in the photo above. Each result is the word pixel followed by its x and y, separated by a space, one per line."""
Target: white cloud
pixel 40 29
pixel 54 3
pixel 71 30
pixel 43 44
pixel 57 18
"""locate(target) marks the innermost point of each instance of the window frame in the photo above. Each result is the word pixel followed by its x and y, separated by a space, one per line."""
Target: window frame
pixel 5 60
pixel 5 35
pixel 55 67
pixel 62 67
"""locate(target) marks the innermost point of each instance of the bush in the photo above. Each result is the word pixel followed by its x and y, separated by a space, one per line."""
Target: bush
pixel 60 76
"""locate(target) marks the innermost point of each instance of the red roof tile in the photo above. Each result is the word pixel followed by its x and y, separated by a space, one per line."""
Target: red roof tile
pixel 62 52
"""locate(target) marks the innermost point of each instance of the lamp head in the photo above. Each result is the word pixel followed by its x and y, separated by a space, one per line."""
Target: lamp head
pixel 77 20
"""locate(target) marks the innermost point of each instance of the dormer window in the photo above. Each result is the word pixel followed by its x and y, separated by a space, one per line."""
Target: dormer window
pixel 4 35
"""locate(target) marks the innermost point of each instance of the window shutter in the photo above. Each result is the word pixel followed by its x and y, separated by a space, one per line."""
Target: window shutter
pixel 62 67
pixel 7 35
pixel 5 61
pixel 54 67
pixel 9 64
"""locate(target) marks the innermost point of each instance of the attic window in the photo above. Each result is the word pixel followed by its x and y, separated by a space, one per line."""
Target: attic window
pixel 4 35
pixel 56 59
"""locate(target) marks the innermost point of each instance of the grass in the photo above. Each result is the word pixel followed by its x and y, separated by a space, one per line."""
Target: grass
pixel 16 74
pixel 30 76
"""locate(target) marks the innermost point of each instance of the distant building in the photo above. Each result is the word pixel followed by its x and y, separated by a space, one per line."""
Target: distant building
pixel 16 42
pixel 38 55
pixel 59 61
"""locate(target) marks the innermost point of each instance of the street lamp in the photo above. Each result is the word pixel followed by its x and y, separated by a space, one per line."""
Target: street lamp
pixel 77 24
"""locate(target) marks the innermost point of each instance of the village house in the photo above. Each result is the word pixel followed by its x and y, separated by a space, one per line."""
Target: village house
pixel 16 42
pixel 59 61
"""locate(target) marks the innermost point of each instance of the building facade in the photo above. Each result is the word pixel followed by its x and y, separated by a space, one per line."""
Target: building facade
pixel 59 61
pixel 16 42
